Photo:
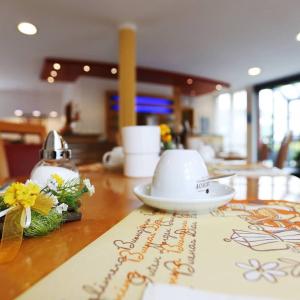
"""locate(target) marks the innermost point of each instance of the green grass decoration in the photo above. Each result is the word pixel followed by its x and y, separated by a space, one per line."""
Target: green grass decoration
pixel 42 225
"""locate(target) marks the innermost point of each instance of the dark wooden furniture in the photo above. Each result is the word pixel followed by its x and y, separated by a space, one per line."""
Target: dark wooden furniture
pixel 87 148
pixel 23 128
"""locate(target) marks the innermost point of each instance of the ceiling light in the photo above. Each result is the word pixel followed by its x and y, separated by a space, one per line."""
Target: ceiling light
pixel 53 114
pixel 36 113
pixel 56 66
pixel 86 68
pixel 254 71
pixel 50 79
pixel 189 81
pixel 219 87
pixel 113 71
pixel 298 37
pixel 18 113
pixel 53 73
pixel 27 28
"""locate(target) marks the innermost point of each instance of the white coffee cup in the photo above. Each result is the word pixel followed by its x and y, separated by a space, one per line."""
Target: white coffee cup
pixel 140 165
pixel 141 147
pixel 180 174
pixel 114 157
pixel 141 139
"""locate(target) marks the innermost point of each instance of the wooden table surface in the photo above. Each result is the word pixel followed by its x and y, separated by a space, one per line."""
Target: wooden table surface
pixel 112 201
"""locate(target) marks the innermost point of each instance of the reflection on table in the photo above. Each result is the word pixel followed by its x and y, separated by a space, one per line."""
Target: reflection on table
pixel 265 187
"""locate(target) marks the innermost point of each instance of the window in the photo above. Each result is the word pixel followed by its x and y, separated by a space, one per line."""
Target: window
pixel 279 113
pixel 231 121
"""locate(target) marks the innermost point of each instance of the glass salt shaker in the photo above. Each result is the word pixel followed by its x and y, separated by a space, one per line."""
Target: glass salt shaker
pixel 55 159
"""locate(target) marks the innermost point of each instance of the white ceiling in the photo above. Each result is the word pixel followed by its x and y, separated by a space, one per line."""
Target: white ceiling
pixel 214 38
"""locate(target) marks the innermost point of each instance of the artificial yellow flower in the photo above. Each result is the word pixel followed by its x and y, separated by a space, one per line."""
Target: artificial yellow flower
pixel 167 138
pixel 33 188
pixel 58 179
pixel 10 196
pixel 19 193
pixel 164 129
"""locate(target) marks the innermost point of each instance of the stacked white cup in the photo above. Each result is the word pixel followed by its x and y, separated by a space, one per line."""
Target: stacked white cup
pixel 141 146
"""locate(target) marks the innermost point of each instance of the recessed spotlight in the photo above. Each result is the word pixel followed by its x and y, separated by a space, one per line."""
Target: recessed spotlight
pixel 86 68
pixel 113 71
pixel 219 87
pixel 53 73
pixel 18 113
pixel 189 81
pixel 50 79
pixel 298 37
pixel 36 113
pixel 56 66
pixel 254 71
pixel 27 28
pixel 53 114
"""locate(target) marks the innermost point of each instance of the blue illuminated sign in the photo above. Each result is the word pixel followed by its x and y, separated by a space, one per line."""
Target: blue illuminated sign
pixel 144 100
pixel 148 109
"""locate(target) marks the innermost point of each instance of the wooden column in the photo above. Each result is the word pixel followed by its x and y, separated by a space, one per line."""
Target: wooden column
pixel 178 109
pixel 127 75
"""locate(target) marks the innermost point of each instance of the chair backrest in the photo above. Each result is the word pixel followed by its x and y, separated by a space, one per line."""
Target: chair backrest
pixel 263 152
pixel 4 173
pixel 283 151
pixel 19 159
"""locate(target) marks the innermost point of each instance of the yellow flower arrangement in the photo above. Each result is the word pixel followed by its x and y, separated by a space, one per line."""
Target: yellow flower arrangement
pixel 164 129
pixel 166 137
pixel 32 210
pixel 21 194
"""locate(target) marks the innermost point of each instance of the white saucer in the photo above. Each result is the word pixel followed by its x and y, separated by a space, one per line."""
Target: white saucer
pixel 219 195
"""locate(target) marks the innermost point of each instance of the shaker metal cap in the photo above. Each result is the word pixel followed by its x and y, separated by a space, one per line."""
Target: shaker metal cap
pixel 55 147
